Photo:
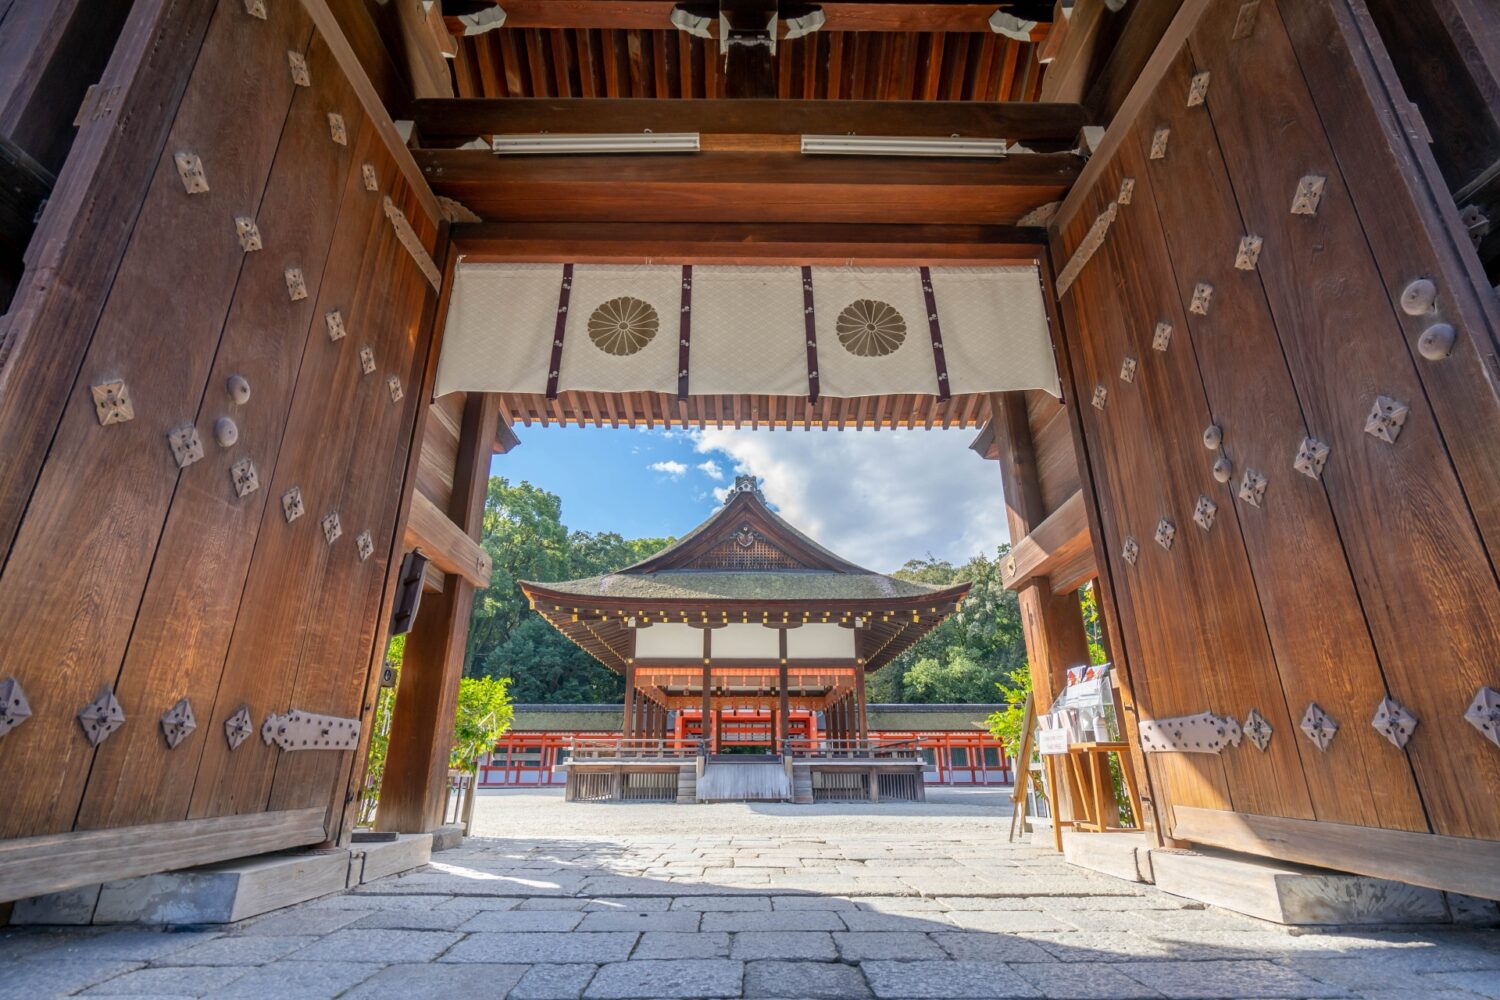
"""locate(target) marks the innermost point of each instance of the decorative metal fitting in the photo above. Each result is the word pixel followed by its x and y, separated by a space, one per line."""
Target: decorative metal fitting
pixel 1159 143
pixel 1127 191
pixel 256 8
pixel 14 708
pixel 112 402
pixel 1319 726
pixel 226 432
pixel 1386 419
pixel 1393 721
pixel 1198 89
pixel 1436 342
pixel 1253 488
pixel 1419 298
pixel 298 66
pixel 296 287
pixel 1101 396
pixel 1162 338
pixel 394 385
pixel 1204 512
pixel 186 447
pixel 1131 551
pixel 1127 369
pixel 1309 193
pixel 1223 469
pixel 1166 533
pixel 335 321
pixel 1201 733
pixel 291 504
pixel 246 480
pixel 101 717
pixel 372 182
pixel 1248 255
pixel 1244 22
pixel 239 389
pixel 336 130
pixel 299 730
pixel 1475 222
pixel 177 723
pixel 1202 293
pixel 366 360
pixel 1213 437
pixel 1311 457
pixel 238 727
pixel 332 529
pixel 1483 714
pixel 364 545
pixel 1258 730
pixel 190 169
pixel 248 232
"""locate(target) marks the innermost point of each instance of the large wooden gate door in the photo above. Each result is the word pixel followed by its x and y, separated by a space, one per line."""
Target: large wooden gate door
pixel 1283 356
pixel 209 386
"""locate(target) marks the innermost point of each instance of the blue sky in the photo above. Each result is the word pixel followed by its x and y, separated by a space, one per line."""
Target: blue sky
pixel 877 498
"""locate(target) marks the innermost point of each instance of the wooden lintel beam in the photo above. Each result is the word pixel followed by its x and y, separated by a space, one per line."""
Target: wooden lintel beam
pixel 703 243
pixel 445 543
pixel 870 15
pixel 1058 548
pixel 749 187
pixel 1024 121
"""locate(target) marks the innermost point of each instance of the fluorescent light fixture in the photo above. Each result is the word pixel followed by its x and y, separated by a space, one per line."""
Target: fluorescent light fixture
pixel 630 142
pixel 890 145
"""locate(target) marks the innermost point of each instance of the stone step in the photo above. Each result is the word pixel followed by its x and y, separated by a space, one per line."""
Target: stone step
pixel 1293 894
pixel 231 890
pixel 1123 855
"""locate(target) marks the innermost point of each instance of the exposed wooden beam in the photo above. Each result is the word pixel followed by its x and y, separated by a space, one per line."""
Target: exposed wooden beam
pixel 1016 121
pixel 1058 548
pixel 448 546
pixel 748 187
pixel 655 15
pixel 705 243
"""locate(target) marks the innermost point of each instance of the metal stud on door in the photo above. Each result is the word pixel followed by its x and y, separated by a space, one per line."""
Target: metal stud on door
pixel 14 708
pixel 177 723
pixel 112 402
pixel 101 717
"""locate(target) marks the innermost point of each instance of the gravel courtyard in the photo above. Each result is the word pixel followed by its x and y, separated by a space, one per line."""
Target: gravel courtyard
pixel 617 901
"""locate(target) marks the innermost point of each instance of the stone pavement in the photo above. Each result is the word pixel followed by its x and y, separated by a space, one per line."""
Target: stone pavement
pixel 749 901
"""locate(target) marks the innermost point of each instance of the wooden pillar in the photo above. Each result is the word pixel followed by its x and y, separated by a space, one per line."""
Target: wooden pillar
pixel 861 714
pixel 705 724
pixel 784 714
pixel 415 787
pixel 627 725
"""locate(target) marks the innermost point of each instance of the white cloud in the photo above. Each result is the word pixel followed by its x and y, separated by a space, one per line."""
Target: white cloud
pixel 712 470
pixel 673 469
pixel 878 498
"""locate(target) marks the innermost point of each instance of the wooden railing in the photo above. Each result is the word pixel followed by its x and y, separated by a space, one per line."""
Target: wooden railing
pixel 619 748
pixel 851 749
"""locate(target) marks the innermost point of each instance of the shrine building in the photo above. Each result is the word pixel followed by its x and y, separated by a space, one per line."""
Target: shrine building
pixel 744 612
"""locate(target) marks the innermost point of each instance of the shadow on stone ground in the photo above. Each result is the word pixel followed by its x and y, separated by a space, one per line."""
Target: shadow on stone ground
pixel 682 906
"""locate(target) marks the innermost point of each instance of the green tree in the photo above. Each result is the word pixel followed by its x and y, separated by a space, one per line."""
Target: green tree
pixel 484 714
pixel 527 540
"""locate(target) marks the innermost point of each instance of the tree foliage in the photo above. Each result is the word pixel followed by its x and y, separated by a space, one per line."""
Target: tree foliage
pixel 977 647
pixel 527 540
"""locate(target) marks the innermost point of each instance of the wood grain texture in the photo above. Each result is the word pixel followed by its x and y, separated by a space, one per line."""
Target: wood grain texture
pixel 193 596
pixel 33 866
pixel 279 609
pixel 1453 864
pixel 99 507
pixel 1191 220
pixel 82 238
pixel 1424 576
pixel 448 546
pixel 747 187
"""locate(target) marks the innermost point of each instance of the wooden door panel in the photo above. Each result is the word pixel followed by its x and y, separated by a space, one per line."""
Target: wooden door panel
pixel 287 575
pixel 331 672
pixel 1134 480
pixel 183 627
pixel 74 579
pixel 1291 538
pixel 1406 524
